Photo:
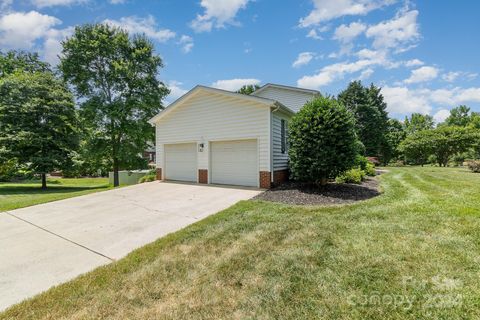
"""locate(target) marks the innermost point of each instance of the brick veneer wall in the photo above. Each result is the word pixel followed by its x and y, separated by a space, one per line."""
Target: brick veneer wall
pixel 280 176
pixel 265 179
pixel 202 176
pixel 159 173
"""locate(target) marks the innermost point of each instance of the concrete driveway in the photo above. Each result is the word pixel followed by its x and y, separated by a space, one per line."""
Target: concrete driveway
pixel 45 245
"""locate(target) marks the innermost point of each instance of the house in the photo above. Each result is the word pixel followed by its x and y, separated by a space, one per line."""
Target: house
pixel 215 136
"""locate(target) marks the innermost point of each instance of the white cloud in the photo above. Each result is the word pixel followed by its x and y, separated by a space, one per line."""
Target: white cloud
pixel 20 30
pixel 399 32
pixel 441 115
pixel 314 35
pixel 217 13
pixel 147 26
pixel 52 46
pixel 422 74
pixel 414 63
pixel 234 84
pixel 451 76
pixel 303 58
pixel 117 1
pixel 346 33
pixel 5 5
pixel 186 42
pixel 52 3
pixel 334 72
pixel 176 91
pixel 325 10
pixel 366 74
pixel 402 101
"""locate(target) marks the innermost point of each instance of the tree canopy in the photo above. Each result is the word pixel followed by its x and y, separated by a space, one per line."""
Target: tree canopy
pixel 115 75
pixel 371 119
pixel 38 124
pixel 248 89
pixel 418 122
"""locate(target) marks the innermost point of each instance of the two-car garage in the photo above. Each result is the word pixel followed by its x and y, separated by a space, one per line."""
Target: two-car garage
pixel 232 162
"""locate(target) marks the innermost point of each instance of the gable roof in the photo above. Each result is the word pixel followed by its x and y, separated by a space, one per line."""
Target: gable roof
pixel 281 86
pixel 200 88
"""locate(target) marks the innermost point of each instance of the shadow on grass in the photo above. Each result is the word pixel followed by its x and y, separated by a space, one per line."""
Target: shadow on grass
pixel 35 189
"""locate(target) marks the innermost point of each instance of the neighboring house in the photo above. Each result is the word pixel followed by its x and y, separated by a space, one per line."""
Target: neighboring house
pixel 215 136
pixel 150 153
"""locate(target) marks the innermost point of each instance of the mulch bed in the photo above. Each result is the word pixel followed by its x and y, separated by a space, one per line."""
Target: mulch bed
pixel 332 193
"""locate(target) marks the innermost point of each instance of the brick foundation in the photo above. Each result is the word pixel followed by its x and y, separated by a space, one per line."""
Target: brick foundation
pixel 159 174
pixel 280 176
pixel 265 179
pixel 202 176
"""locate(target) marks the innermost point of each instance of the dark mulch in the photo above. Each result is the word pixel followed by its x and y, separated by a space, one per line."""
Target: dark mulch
pixel 332 193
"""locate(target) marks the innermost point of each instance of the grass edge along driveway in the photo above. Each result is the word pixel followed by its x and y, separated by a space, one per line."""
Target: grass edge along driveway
pixel 410 253
pixel 15 195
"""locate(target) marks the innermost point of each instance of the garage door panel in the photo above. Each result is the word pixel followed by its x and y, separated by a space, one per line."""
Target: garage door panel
pixel 235 162
pixel 181 162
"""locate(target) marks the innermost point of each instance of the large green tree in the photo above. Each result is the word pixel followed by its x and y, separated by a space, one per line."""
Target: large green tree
pixel 115 75
pixel 322 141
pixel 459 116
pixel 38 124
pixel 418 122
pixel 12 61
pixel 451 140
pixel 417 147
pixel 394 136
pixel 369 109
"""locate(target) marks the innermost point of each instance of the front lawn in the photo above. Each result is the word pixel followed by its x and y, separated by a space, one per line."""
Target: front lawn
pixel 28 193
pixel 411 253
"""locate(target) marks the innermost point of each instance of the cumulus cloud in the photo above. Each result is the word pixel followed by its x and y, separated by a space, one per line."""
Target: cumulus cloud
pixel 441 115
pixel 234 84
pixel 422 74
pixel 147 26
pixel 399 33
pixel 414 63
pixel 53 3
pixel 176 91
pixel 326 10
pixel 20 30
pixel 303 59
pixel 346 33
pixel 402 100
pixel 217 14
pixel 52 46
pixel 314 35
pixel 186 42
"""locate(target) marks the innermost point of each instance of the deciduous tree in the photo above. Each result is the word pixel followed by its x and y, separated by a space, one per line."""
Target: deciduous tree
pixel 115 75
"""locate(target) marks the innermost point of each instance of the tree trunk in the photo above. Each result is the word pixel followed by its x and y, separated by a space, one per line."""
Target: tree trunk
pixel 322 182
pixel 116 181
pixel 44 181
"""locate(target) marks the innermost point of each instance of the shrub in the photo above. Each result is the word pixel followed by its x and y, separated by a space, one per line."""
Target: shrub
pixel 354 175
pixel 474 166
pixel 361 162
pixel 8 170
pixel 370 170
pixel 322 141
pixel 149 177
pixel 396 163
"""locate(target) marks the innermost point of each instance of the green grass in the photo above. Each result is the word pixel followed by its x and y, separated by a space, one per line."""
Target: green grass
pixel 28 193
pixel 419 242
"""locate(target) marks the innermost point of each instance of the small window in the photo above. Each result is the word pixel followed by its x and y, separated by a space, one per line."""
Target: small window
pixel 283 135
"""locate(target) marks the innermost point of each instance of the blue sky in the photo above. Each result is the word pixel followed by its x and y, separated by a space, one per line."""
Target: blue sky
pixel 424 54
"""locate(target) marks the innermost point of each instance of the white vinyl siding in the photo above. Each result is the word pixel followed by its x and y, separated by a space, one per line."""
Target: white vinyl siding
pixel 234 162
pixel 208 117
pixel 289 98
pixel 181 162
pixel 280 160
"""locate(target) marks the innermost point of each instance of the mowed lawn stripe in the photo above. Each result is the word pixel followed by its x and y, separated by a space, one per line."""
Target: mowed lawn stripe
pixel 411 253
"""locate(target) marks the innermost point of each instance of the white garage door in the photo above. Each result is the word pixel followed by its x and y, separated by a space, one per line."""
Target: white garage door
pixel 235 162
pixel 181 162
